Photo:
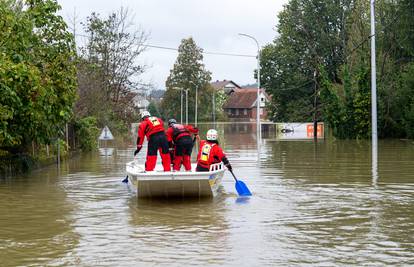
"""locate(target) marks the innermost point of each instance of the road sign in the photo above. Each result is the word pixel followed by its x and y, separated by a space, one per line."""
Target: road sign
pixel 106 134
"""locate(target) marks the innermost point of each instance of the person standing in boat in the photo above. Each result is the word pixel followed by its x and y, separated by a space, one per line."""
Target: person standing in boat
pixel 179 137
pixel 153 129
pixel 210 152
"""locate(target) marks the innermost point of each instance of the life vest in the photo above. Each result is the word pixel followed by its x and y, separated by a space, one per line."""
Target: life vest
pixel 179 131
pixel 205 154
pixel 154 125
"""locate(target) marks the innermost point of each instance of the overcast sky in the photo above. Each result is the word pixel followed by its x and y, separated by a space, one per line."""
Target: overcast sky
pixel 213 24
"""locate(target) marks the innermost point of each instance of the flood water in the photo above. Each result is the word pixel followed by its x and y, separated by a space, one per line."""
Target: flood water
pixel 312 204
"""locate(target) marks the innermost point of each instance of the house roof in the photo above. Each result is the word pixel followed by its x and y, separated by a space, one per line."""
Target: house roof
pixel 221 84
pixel 243 98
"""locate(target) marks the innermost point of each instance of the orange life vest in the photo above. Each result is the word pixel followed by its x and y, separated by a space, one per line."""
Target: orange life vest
pixel 205 154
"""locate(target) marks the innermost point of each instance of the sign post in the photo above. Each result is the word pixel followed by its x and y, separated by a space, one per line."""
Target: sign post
pixel 105 135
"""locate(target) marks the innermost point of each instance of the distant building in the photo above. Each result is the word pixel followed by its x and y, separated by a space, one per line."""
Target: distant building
pixel 140 102
pixel 227 86
pixel 242 106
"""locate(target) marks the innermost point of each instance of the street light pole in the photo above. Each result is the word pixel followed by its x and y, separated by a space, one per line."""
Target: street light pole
pixel 374 127
pixel 373 75
pixel 258 102
pixel 214 108
pixel 196 105
pixel 181 115
pixel 181 96
pixel 186 106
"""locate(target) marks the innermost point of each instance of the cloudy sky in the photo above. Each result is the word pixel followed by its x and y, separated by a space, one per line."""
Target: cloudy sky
pixel 213 24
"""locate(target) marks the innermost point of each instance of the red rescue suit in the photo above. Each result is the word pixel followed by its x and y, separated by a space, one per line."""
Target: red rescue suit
pixel 210 152
pixel 180 136
pixel 153 129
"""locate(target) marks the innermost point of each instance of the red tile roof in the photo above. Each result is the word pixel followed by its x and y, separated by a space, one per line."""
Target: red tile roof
pixel 242 98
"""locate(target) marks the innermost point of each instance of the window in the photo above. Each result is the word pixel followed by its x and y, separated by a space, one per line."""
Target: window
pixel 262 102
pixel 237 111
pixel 245 111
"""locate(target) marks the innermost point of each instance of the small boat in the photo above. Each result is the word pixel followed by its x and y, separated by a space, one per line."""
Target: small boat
pixel 174 184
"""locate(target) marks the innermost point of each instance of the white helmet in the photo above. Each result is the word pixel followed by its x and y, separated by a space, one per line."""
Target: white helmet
pixel 145 114
pixel 212 135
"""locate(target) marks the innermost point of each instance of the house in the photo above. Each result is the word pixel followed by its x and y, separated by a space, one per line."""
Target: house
pixel 241 105
pixel 227 86
pixel 140 102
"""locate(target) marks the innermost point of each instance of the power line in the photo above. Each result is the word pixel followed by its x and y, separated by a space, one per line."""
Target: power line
pixel 176 49
pixel 204 52
pixel 394 19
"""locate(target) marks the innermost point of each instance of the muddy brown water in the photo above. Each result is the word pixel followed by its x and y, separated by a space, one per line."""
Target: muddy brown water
pixel 312 204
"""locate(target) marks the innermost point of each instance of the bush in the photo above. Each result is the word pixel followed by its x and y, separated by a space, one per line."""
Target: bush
pixel 87 133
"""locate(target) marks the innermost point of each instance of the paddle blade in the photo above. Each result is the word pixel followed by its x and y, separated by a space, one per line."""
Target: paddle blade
pixel 125 180
pixel 242 189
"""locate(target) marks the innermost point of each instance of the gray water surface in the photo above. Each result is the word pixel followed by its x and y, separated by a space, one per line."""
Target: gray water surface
pixel 312 204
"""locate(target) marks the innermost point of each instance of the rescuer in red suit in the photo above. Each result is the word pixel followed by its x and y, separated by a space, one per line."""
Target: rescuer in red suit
pixel 210 152
pixel 153 129
pixel 179 137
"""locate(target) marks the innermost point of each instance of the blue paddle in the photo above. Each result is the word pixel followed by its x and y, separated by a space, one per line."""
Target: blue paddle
pixel 125 180
pixel 241 187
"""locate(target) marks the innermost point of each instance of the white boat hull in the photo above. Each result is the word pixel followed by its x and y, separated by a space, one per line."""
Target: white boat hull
pixel 181 184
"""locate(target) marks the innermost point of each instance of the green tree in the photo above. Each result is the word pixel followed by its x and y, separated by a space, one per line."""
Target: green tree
pixel 37 73
pixel 406 100
pixel 311 33
pixel 153 108
pixel 188 73
pixel 87 133
pixel 323 51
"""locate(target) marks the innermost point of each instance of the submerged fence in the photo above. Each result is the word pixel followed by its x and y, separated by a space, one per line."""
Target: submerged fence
pixel 40 154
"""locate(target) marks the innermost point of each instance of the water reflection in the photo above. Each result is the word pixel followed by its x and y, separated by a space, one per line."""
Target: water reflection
pixel 374 162
pixel 312 204
pixel 106 151
pixel 166 227
pixel 34 224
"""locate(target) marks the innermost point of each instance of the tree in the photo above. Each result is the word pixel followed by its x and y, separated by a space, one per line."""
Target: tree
pixel 109 70
pixel 37 73
pixel 190 74
pixel 154 109
pixel 323 53
pixel 311 33
pixel 392 61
